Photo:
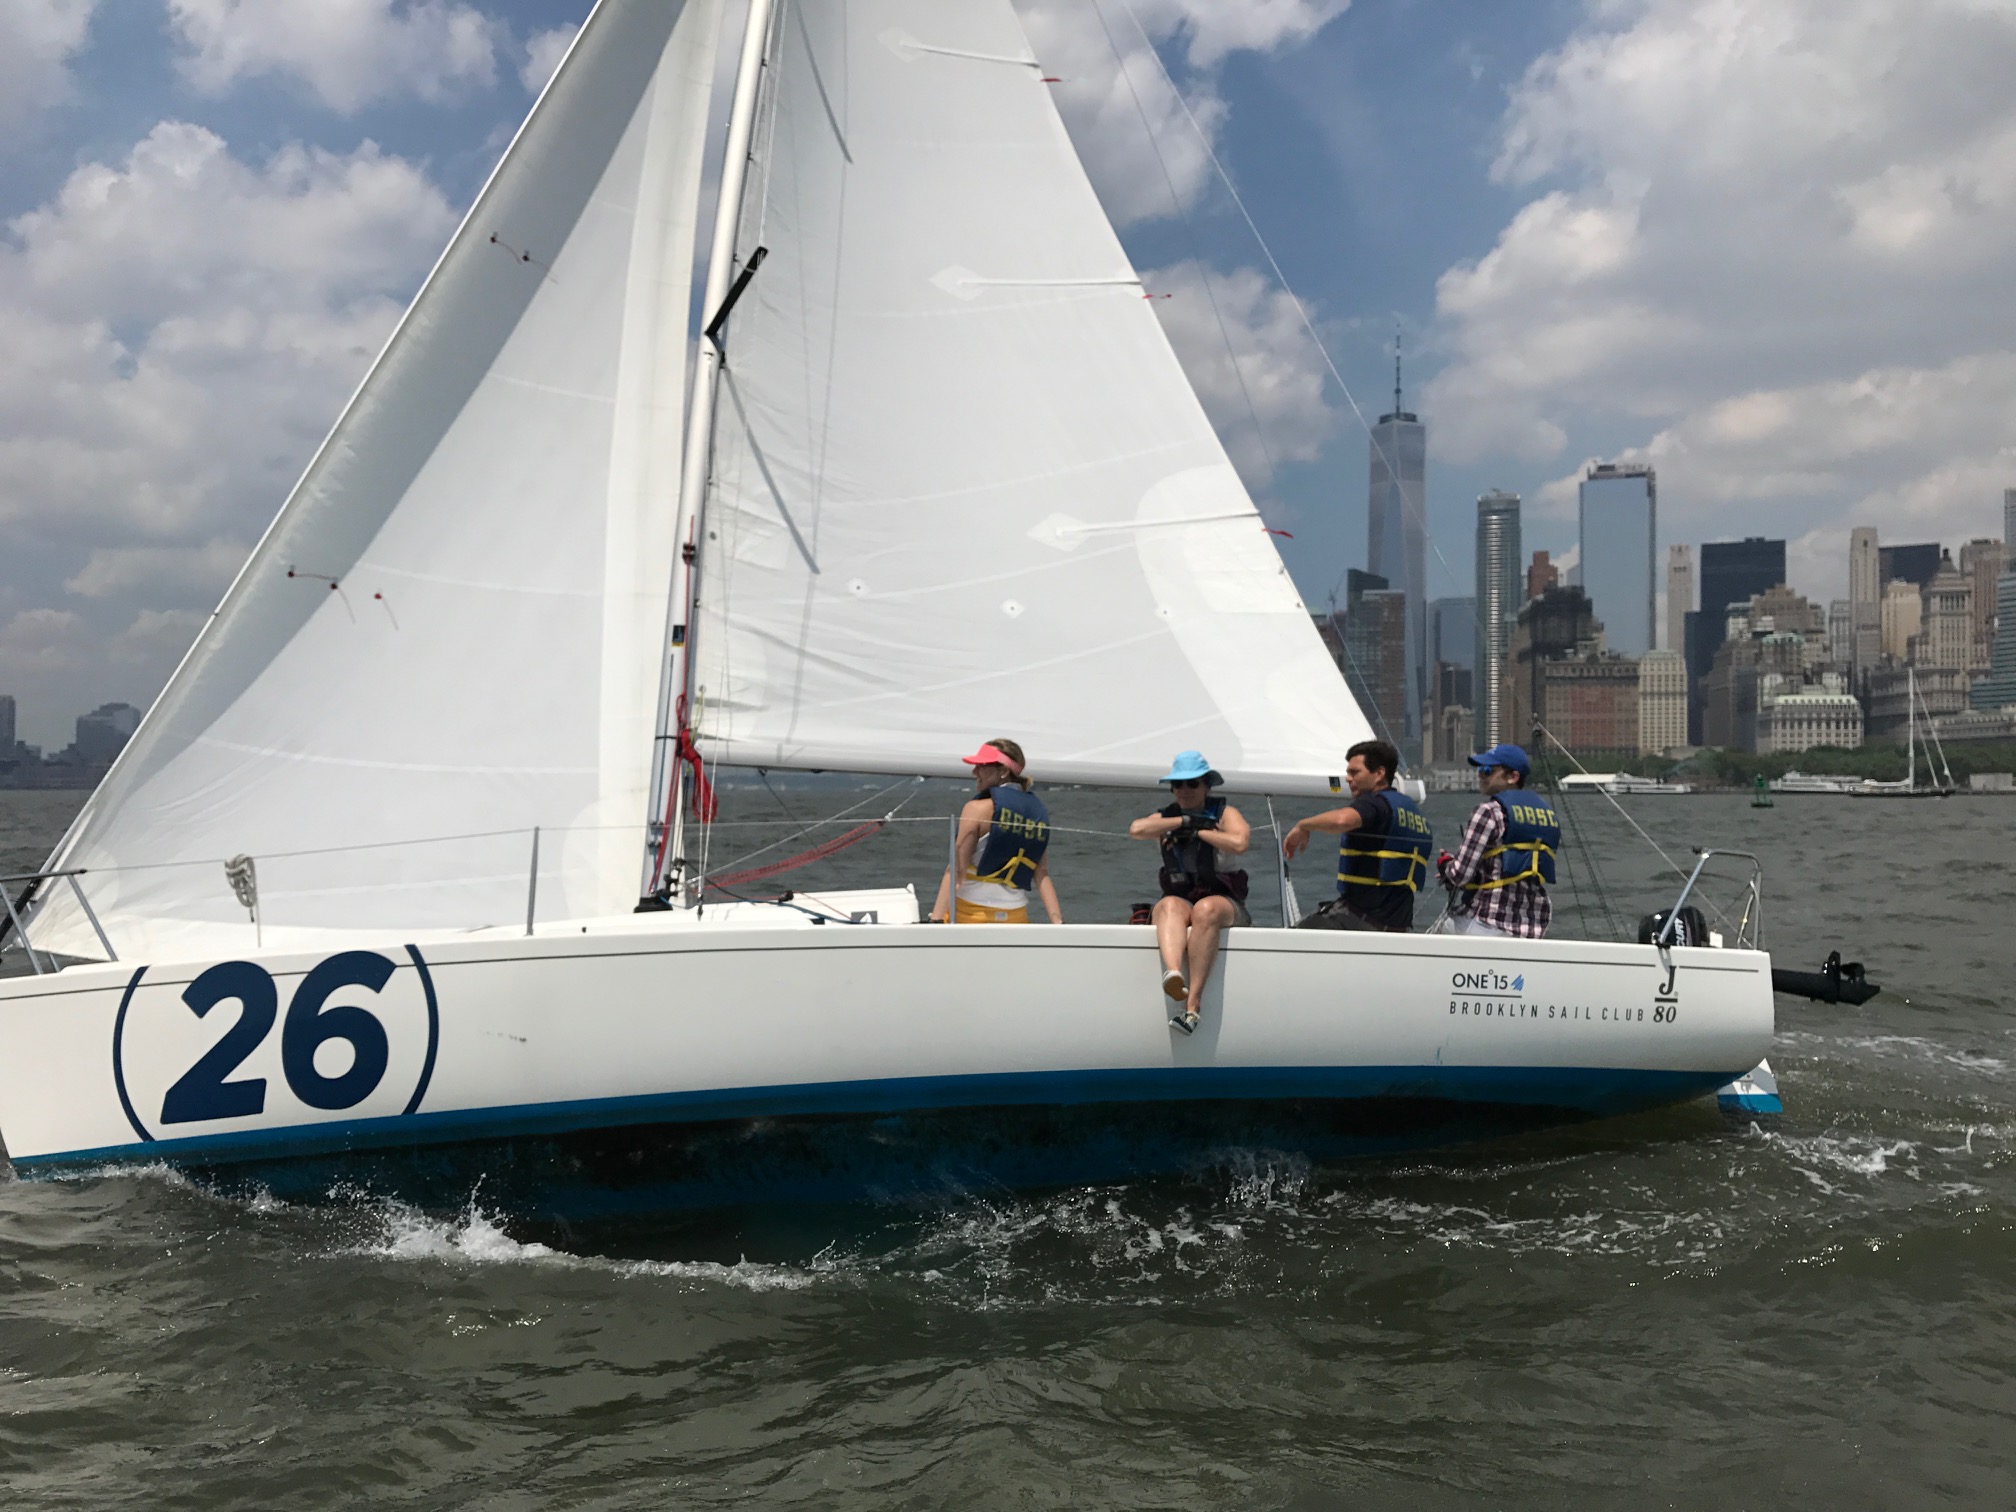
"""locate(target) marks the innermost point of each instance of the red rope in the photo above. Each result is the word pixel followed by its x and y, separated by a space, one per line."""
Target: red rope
pixel 818 852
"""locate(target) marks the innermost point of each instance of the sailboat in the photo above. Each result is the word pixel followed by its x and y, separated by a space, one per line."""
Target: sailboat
pixel 1938 785
pixel 366 881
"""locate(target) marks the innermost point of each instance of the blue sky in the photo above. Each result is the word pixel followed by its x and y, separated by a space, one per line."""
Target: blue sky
pixel 1761 243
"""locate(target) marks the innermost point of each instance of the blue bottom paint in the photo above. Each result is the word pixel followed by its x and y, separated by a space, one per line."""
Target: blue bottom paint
pixel 891 1138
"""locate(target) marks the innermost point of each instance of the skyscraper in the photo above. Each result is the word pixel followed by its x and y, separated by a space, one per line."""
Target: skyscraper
pixel 1619 569
pixel 1498 602
pixel 6 726
pixel 1865 598
pixel 1397 545
pixel 1375 647
pixel 2009 518
pixel 1679 596
pixel 1914 564
pixel 1452 632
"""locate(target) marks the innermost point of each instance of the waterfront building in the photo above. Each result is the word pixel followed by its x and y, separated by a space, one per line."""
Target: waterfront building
pixel 1942 691
pixel 1865 598
pixel 1914 564
pixel 1800 721
pixel 1498 603
pixel 1619 517
pixel 1982 561
pixel 1375 650
pixel 1452 632
pixel 1397 543
pixel 1946 636
pixel 1903 618
pixel 1679 597
pixel 1662 702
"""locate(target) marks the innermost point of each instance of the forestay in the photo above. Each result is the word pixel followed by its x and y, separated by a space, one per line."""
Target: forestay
pixel 961 485
pixel 455 626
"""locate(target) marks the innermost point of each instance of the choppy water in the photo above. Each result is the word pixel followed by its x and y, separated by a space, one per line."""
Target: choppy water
pixel 1661 1312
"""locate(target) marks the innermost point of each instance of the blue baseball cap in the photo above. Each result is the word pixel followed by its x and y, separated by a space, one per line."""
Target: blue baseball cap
pixel 1503 756
pixel 1189 766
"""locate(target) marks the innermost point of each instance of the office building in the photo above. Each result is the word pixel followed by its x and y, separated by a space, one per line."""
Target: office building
pixel 1452 632
pixel 1679 596
pixel 1941 691
pixel 1801 721
pixel 1498 600
pixel 1912 564
pixel 1589 702
pixel 1998 689
pixel 1662 702
pixel 1557 624
pixel 1946 634
pixel 1903 618
pixel 2009 519
pixel 1734 572
pixel 1397 548
pixel 6 725
pixel 1619 569
pixel 1375 650
pixel 1841 633
pixel 1541 574
pixel 1865 598
pixel 102 734
pixel 1982 561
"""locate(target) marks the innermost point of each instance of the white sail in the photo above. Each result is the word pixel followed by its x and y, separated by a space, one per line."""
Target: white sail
pixel 961 485
pixel 454 630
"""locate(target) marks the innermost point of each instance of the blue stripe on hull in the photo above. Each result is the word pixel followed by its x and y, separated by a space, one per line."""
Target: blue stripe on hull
pixel 1572 1091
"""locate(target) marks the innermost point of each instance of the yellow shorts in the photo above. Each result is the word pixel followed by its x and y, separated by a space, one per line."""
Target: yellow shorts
pixel 972 913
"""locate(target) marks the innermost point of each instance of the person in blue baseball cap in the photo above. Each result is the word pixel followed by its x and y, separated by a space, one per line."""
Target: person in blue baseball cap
pixel 1500 874
pixel 1201 897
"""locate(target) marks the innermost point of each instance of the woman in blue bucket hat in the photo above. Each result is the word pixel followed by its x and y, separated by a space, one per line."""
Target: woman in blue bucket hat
pixel 1201 897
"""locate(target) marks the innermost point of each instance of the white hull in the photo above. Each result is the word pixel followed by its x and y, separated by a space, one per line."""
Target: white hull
pixel 668 1019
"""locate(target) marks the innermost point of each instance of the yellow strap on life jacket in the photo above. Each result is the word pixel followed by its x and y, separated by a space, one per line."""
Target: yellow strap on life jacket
pixel 1533 849
pixel 1416 861
pixel 1006 870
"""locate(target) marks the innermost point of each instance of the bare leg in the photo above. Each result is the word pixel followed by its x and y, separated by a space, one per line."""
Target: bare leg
pixel 1172 925
pixel 1208 918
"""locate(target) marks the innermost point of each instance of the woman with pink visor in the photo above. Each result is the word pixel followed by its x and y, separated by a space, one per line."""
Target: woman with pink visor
pixel 1003 835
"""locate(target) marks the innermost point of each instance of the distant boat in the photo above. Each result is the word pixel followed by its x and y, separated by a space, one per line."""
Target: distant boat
pixel 1620 783
pixel 1805 782
pixel 1938 780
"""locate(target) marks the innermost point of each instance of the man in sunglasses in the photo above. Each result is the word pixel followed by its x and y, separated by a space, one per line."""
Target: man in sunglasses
pixel 1201 896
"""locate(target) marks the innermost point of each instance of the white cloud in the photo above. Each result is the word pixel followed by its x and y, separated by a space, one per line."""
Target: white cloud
pixel 180 327
pixel 543 53
pixel 1251 362
pixel 37 40
pixel 351 53
pixel 1770 238
pixel 1143 155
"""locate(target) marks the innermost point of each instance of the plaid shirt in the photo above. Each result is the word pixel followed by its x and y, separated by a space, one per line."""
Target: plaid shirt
pixel 1521 908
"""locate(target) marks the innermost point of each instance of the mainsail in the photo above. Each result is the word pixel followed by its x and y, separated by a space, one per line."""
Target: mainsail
pixel 453 632
pixel 961 485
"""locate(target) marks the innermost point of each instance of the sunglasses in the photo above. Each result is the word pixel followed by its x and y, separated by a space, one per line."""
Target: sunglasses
pixel 1192 782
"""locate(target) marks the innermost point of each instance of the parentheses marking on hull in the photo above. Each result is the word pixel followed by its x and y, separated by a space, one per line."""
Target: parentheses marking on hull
pixel 118 1059
pixel 433 1031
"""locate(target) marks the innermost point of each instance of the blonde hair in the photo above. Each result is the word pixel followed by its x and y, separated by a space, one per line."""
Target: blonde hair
pixel 1013 752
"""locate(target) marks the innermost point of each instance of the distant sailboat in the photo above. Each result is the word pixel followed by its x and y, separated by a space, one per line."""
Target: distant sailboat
pixel 937 473
pixel 1938 779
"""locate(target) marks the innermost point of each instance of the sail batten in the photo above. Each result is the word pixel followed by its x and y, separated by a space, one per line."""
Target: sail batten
pixel 963 486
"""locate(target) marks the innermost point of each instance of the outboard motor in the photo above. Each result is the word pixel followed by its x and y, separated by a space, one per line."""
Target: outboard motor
pixel 1692 929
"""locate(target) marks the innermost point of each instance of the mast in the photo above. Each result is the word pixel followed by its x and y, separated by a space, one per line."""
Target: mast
pixel 665 859
pixel 1911 729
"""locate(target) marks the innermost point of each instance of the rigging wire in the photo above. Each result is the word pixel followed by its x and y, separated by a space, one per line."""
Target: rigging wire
pixel 1281 278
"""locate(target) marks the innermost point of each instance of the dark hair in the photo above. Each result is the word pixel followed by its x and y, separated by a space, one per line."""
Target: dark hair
pixel 1518 777
pixel 1379 754
pixel 1013 752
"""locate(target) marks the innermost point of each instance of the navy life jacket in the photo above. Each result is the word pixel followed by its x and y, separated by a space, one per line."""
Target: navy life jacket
pixel 1398 858
pixel 1015 840
pixel 1532 835
pixel 1189 866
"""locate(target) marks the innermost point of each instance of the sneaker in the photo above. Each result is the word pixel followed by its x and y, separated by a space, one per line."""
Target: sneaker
pixel 1175 985
pixel 1187 1022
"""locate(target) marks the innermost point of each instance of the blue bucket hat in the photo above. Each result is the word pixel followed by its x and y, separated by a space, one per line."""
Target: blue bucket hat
pixel 1503 756
pixel 1189 766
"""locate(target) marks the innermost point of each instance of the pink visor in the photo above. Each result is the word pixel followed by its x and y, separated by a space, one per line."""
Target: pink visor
pixel 989 755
